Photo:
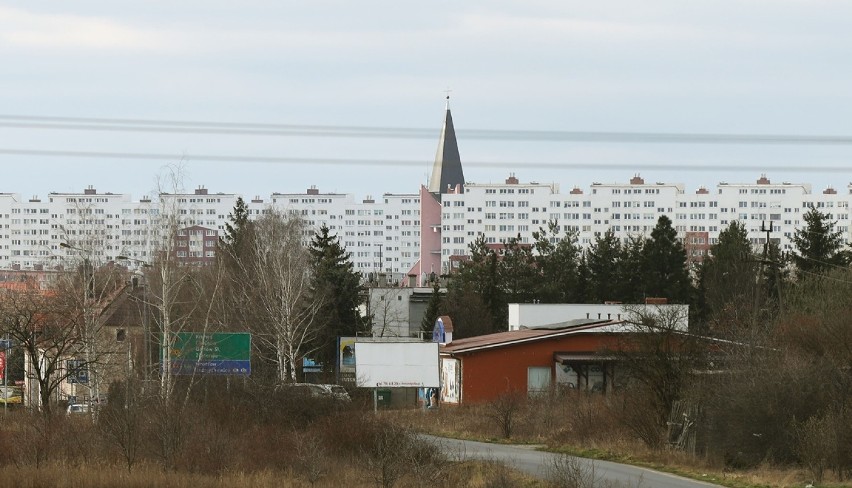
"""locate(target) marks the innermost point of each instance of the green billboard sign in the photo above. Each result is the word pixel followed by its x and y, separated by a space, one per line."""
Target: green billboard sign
pixel 217 353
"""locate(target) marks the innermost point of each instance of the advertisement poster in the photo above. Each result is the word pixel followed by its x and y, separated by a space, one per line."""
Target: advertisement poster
pixel 450 381
pixel 346 360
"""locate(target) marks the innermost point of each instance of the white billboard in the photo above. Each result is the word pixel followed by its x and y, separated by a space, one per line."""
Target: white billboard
pixel 397 364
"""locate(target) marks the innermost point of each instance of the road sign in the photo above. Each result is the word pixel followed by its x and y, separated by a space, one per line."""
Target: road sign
pixel 218 353
pixel 78 372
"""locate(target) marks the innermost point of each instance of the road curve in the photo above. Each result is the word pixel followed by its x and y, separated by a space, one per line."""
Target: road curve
pixel 539 464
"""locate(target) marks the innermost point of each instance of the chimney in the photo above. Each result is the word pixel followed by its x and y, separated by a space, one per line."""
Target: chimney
pixel 511 180
pixel 369 199
pixel 576 191
pixel 90 191
pixel 257 199
pixel 763 180
pixel 637 180
pixel 201 190
pixel 656 301
pixel 702 191
pixel 313 190
pixel 829 191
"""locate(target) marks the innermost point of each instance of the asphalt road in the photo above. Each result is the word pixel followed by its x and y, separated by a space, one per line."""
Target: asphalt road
pixel 540 464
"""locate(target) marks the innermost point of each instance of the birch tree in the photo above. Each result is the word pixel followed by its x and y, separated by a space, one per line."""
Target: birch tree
pixel 277 283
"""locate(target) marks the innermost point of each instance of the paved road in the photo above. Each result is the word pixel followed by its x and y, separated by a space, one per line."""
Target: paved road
pixel 539 464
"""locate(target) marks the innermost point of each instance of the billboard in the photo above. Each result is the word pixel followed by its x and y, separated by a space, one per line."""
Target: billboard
pixel 346 360
pixel 397 364
pixel 217 353
pixel 450 381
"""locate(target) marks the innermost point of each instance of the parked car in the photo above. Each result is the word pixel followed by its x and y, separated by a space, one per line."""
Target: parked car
pixel 11 395
pixel 335 392
pixel 77 409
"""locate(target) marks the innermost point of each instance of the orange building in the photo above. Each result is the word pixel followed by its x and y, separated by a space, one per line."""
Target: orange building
pixel 527 361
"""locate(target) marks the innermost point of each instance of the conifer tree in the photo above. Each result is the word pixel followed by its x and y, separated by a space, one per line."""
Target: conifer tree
pixel 666 274
pixel 478 280
pixel 433 311
pixel 557 264
pixel 339 285
pixel 237 229
pixel 728 280
pixel 818 245
pixel 602 261
pixel 631 268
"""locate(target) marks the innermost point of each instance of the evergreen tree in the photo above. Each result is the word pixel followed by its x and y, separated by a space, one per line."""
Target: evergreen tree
pixel 517 272
pixel 557 263
pixel 630 285
pixel 235 255
pixel 582 293
pixel 602 260
pixel 728 280
pixel 237 228
pixel 433 311
pixel 338 285
pixel 666 274
pixel 478 279
pixel 818 245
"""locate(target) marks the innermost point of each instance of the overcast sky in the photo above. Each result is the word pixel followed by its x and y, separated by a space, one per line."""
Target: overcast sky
pixel 732 67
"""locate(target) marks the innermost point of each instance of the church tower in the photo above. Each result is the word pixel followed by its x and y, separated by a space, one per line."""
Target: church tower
pixel 447 174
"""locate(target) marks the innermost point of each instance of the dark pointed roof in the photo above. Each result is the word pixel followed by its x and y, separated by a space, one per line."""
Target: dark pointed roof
pixel 447 170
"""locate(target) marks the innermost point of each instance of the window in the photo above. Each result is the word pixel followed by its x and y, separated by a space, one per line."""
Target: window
pixel 538 380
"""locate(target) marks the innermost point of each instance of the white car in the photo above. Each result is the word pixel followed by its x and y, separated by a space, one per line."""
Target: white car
pixel 335 392
pixel 77 408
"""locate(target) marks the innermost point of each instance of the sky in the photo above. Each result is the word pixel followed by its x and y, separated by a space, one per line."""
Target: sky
pixel 743 67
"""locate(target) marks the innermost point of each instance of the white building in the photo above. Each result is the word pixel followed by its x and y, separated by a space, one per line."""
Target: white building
pixel 409 236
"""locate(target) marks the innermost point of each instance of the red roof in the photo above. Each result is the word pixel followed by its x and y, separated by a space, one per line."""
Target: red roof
pixel 501 339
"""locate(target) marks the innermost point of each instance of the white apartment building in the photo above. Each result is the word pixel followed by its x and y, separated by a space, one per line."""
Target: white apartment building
pixel 409 235
pixel 505 210
pixel 383 235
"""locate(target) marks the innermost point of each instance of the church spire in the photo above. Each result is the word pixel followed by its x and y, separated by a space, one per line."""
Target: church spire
pixel 447 170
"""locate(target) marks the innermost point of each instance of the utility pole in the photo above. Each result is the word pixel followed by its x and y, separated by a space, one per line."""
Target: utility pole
pixel 766 261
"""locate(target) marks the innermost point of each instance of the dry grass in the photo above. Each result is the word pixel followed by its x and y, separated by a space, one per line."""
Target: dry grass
pixel 586 425
pixel 472 474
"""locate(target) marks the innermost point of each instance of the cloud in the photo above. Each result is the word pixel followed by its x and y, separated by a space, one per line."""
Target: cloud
pixel 22 28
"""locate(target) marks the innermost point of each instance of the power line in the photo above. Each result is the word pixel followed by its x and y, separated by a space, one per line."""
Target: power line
pixel 412 163
pixel 303 130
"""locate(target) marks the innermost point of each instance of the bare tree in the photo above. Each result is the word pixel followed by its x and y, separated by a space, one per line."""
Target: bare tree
pixel 41 324
pixel 277 283
pixel 660 357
